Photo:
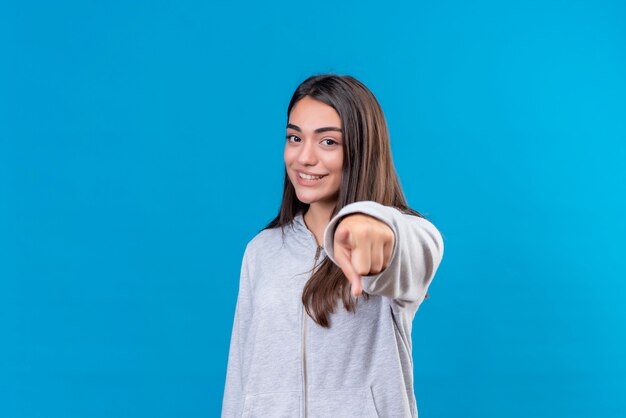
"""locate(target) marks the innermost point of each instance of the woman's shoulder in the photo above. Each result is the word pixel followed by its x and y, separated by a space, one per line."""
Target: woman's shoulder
pixel 265 238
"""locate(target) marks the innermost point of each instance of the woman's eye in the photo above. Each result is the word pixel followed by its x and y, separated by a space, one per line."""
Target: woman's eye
pixel 327 141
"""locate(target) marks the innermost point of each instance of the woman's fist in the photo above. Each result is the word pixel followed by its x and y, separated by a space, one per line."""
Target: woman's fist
pixel 363 246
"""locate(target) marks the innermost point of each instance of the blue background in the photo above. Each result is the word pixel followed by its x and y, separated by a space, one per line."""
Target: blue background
pixel 141 148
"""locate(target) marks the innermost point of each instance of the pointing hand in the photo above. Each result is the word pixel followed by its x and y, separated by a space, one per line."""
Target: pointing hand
pixel 363 245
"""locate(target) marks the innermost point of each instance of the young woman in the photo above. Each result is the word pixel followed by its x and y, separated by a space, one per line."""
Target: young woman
pixel 303 343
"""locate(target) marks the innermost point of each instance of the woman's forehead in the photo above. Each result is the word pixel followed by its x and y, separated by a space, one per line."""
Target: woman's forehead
pixel 310 115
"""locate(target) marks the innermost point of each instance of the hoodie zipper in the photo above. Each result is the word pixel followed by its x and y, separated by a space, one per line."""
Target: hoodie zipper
pixel 317 254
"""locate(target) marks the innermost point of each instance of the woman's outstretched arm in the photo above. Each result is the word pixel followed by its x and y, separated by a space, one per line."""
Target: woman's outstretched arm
pixel 416 255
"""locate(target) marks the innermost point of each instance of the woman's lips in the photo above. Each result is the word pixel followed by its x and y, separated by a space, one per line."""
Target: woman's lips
pixel 305 182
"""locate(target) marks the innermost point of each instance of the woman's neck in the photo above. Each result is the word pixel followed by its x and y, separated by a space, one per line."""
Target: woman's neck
pixel 316 218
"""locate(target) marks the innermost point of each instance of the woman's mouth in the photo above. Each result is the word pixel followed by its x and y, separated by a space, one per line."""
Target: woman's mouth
pixel 307 180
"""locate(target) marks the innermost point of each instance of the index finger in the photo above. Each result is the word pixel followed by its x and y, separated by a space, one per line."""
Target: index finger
pixel 343 259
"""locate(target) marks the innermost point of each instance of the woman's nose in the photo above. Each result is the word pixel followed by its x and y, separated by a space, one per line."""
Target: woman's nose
pixel 307 154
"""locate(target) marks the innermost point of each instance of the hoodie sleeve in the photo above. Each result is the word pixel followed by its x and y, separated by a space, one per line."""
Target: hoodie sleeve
pixel 417 253
pixel 234 395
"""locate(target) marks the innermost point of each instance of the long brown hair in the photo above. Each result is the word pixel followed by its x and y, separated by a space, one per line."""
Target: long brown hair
pixel 368 174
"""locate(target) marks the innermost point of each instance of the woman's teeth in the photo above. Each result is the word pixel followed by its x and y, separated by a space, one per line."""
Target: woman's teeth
pixel 307 177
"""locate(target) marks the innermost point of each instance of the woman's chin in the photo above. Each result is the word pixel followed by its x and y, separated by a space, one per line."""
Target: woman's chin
pixel 309 200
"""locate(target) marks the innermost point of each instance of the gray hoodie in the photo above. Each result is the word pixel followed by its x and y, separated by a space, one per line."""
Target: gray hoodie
pixel 283 364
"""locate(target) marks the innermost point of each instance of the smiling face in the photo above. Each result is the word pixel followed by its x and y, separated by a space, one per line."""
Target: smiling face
pixel 314 146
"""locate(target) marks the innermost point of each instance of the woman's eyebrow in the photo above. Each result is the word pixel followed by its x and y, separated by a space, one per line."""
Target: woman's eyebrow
pixel 317 131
